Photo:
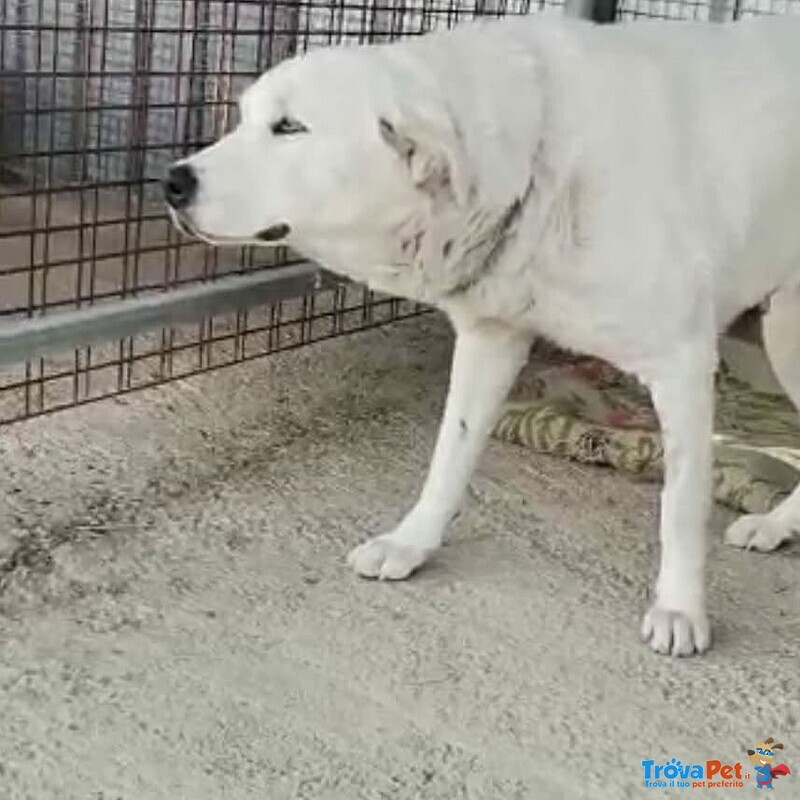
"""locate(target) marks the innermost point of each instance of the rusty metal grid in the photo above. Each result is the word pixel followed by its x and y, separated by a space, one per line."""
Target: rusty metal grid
pixel 92 373
pixel 704 10
pixel 96 98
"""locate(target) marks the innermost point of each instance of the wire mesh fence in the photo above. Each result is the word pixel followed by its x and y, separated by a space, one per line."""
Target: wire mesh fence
pixel 704 10
pixel 98 96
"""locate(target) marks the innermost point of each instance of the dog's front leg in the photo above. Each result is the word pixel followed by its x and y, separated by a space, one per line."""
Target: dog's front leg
pixel 683 396
pixel 486 361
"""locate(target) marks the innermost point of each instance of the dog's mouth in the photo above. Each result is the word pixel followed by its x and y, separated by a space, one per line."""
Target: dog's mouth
pixel 274 234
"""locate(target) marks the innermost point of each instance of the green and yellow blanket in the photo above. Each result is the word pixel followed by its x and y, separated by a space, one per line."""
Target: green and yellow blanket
pixel 585 410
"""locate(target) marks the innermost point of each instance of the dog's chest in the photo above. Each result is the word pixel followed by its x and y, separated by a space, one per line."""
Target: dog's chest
pixel 563 305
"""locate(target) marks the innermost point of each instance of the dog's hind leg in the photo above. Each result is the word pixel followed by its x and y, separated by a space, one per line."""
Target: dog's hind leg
pixel 683 395
pixel 781 329
pixel 486 361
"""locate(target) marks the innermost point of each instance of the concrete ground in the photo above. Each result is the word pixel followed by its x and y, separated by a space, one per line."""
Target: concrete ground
pixel 178 620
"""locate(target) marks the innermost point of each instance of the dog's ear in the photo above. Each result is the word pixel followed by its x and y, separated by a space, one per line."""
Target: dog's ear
pixel 777 746
pixel 433 152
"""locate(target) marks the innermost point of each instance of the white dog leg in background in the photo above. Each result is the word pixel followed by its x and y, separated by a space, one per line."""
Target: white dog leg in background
pixel 781 327
pixel 486 361
pixel 683 396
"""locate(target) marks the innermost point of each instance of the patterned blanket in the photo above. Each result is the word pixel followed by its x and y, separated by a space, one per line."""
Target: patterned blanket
pixel 585 410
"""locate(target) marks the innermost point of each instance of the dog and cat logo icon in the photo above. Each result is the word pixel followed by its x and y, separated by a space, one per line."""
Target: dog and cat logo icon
pixel 715 773
pixel 763 760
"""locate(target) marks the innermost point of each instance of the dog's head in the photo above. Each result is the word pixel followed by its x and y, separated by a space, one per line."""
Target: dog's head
pixel 337 153
pixel 765 752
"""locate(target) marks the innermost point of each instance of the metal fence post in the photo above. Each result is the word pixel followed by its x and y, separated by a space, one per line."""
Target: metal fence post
pixel 600 11
pixel 721 11
pixel 604 11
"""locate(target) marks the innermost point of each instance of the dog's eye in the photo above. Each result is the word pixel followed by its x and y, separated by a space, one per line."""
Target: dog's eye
pixel 286 126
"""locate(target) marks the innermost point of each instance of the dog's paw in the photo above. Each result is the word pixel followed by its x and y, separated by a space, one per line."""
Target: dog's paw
pixel 386 558
pixel 676 633
pixel 758 532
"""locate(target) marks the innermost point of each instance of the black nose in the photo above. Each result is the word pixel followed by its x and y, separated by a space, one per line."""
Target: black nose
pixel 274 233
pixel 180 186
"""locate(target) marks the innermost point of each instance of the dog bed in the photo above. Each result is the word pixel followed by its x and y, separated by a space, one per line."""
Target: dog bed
pixel 585 410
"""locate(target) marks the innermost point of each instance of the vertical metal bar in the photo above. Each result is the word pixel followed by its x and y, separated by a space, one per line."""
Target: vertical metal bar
pixel 15 135
pixel 199 85
pixel 136 140
pixel 199 76
pixel 172 255
pixel 98 162
pixel 142 112
pixel 3 126
pixel 78 114
pixel 98 154
pixel 49 168
pixel 599 11
pixel 264 37
pixel 582 9
pixel 721 11
pixel 51 182
pixel 284 26
pixel 34 188
pixel 81 60
pixel 604 11
pixel 82 66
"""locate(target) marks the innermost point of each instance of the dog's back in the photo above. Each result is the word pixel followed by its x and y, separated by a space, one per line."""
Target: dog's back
pixel 687 134
pixel 730 137
pixel 701 124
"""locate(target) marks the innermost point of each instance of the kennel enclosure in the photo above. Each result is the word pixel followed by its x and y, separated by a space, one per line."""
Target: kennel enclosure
pixel 98 294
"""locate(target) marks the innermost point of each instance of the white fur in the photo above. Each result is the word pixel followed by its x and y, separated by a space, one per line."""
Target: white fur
pixel 625 190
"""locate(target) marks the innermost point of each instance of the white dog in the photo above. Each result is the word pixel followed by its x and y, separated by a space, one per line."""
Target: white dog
pixel 624 190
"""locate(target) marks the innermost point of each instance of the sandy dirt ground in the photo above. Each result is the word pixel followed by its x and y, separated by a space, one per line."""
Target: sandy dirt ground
pixel 178 620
